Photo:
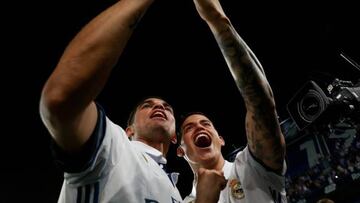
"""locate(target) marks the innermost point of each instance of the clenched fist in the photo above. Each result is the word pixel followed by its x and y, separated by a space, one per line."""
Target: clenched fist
pixel 209 185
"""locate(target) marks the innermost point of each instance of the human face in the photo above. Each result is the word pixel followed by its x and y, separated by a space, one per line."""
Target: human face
pixel 154 120
pixel 200 140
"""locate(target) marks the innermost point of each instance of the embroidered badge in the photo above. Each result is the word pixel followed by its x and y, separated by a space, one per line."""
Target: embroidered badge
pixel 236 191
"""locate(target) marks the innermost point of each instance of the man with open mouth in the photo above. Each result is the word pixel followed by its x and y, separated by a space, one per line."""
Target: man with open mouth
pixel 257 174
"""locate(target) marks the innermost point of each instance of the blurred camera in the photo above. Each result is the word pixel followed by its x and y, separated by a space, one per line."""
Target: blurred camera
pixel 311 104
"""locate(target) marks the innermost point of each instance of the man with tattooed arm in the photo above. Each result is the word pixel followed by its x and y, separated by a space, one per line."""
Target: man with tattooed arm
pixel 257 174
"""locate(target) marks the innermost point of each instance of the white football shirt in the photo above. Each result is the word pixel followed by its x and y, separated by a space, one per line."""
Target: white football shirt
pixel 121 171
pixel 249 182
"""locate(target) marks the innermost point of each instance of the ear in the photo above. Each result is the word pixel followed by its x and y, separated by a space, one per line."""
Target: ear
pixel 222 141
pixel 173 138
pixel 130 131
pixel 180 151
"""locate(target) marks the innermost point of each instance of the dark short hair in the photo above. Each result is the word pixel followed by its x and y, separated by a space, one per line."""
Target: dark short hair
pixel 182 119
pixel 131 117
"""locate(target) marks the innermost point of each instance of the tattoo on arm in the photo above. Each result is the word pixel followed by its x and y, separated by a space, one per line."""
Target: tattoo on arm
pixel 263 134
pixel 264 139
pixel 248 76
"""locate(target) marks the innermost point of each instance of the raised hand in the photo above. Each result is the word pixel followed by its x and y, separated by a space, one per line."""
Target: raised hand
pixel 209 185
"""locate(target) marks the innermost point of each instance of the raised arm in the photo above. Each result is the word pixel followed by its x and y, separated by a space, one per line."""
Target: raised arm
pixel 264 136
pixel 66 105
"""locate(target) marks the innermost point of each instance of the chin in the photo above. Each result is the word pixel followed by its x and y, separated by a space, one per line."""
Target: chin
pixel 206 156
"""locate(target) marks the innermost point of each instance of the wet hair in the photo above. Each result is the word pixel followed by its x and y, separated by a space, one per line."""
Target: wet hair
pixel 131 117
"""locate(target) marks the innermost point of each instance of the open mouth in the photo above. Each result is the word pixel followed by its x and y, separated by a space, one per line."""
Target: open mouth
pixel 202 141
pixel 158 114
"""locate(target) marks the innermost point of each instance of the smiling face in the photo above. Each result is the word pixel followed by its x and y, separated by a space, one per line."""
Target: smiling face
pixel 200 141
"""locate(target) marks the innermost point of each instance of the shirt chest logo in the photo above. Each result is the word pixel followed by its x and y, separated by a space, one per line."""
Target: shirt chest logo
pixel 236 190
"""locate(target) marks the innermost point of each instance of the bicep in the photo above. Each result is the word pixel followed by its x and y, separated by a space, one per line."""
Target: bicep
pixel 265 139
pixel 70 130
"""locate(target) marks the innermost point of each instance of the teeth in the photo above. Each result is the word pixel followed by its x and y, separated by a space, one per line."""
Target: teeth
pixel 202 141
pixel 200 136
pixel 158 114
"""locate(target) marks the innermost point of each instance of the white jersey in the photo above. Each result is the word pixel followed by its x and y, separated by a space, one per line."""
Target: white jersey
pixel 249 182
pixel 121 171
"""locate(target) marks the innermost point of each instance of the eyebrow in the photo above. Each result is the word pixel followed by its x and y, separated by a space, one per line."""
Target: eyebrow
pixel 152 102
pixel 205 120
pixel 186 125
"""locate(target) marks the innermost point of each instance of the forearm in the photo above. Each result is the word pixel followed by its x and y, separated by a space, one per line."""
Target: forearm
pixel 242 63
pixel 263 131
pixel 88 60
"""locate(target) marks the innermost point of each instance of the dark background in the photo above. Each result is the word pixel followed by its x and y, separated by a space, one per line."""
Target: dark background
pixel 172 53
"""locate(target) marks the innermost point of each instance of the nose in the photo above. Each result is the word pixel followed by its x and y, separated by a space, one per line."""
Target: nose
pixel 159 106
pixel 198 127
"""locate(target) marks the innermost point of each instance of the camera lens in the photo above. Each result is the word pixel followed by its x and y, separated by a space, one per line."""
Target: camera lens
pixel 311 106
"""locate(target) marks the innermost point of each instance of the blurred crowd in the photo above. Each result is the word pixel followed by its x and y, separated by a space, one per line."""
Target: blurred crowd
pixel 331 172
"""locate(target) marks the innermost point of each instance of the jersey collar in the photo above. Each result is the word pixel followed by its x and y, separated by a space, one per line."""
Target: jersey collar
pixel 152 152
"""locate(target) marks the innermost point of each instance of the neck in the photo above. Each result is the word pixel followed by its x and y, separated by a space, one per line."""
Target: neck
pixel 217 164
pixel 161 146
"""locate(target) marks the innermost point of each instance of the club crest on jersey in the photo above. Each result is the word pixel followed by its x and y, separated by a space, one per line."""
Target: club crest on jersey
pixel 236 190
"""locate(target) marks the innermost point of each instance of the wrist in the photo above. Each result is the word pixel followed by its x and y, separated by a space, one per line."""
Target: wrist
pixel 219 19
pixel 219 24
